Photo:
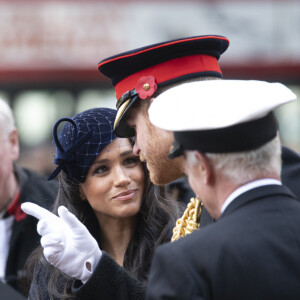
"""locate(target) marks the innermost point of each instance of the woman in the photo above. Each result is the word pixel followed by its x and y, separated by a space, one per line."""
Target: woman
pixel 108 189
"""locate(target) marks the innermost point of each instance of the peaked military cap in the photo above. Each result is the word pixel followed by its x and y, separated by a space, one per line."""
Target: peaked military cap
pixel 219 116
pixel 137 74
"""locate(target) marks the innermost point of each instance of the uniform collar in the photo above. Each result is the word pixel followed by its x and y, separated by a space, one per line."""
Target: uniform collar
pixel 15 209
pixel 246 187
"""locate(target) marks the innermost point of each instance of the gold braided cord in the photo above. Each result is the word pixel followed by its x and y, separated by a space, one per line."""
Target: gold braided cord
pixel 189 221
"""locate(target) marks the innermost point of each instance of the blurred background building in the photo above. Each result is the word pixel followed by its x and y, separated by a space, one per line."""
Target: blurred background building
pixel 49 51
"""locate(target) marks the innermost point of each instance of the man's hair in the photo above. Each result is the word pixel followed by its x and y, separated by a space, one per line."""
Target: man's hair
pixel 242 167
pixel 7 122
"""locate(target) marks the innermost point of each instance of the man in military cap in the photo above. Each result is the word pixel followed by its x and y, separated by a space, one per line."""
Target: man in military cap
pixel 228 135
pixel 140 75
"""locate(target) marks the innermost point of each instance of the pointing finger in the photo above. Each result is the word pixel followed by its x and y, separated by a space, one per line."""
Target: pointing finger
pixel 36 210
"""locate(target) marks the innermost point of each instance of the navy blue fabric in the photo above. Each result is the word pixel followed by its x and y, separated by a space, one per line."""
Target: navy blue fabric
pixel 81 140
pixel 251 252
pixel 122 65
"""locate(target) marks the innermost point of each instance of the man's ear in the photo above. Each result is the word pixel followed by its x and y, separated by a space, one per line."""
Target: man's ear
pixel 14 144
pixel 207 174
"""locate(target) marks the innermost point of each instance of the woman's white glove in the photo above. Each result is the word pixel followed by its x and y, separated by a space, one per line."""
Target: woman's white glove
pixel 67 243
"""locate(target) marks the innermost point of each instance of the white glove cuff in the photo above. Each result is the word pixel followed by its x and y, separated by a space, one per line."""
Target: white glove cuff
pixel 92 262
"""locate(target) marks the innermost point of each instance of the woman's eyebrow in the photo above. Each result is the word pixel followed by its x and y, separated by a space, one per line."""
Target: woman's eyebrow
pixel 101 161
pixel 126 153
pixel 105 160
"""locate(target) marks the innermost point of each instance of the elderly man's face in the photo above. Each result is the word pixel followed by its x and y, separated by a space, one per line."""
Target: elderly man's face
pixel 152 144
pixel 9 152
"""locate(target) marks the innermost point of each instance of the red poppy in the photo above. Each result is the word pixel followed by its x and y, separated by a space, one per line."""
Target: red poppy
pixel 146 86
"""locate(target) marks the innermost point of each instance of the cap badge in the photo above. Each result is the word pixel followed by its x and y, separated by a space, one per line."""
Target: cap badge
pixel 146 86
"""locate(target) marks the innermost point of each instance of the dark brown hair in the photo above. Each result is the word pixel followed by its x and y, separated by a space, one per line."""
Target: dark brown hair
pixel 154 226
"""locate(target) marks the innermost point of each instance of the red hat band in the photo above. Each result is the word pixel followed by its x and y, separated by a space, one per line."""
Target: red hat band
pixel 170 70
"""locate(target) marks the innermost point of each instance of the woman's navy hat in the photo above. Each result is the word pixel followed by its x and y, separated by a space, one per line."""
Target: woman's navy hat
pixel 137 74
pixel 81 140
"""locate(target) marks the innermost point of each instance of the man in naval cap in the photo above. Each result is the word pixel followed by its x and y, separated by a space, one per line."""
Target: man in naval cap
pixel 227 133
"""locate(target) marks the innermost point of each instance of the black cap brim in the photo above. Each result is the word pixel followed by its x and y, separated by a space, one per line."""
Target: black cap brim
pixel 121 129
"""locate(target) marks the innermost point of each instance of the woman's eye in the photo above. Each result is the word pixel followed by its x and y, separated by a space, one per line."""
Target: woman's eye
pixel 131 161
pixel 101 170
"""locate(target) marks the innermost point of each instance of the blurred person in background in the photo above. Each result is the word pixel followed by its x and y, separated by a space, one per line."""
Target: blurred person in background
pixel 18 236
pixel 107 220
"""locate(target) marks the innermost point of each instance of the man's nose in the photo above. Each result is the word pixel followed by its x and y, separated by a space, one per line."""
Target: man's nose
pixel 136 149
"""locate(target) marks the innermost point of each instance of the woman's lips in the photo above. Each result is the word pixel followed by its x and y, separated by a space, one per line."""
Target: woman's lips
pixel 126 195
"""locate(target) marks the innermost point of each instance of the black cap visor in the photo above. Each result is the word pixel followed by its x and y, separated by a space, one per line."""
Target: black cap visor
pixel 121 128
pixel 237 138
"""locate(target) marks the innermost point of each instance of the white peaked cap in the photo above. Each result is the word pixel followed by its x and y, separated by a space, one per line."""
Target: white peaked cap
pixel 213 104
pixel 220 116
